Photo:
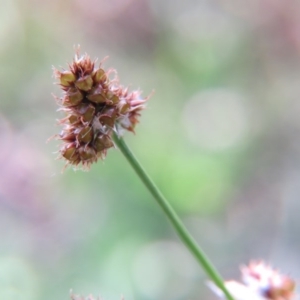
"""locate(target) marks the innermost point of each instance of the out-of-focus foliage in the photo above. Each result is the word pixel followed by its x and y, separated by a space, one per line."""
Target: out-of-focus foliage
pixel 220 137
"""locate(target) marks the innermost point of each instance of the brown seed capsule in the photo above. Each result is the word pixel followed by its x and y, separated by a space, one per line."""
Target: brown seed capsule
pixel 84 83
pixel 87 111
pixel 109 111
pixel 99 75
pixel 67 136
pixel 107 120
pixel 71 101
pixel 123 106
pixel 70 153
pixel 95 95
pixel 85 135
pixel 74 96
pixel 66 78
pixel 73 119
pixel 115 99
pixel 87 153
pixel 112 97
pixel 103 142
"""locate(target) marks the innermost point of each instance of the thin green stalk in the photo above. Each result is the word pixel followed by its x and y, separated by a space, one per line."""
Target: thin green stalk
pixel 185 236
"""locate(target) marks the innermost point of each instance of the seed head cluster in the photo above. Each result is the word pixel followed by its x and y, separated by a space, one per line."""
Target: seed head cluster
pixel 95 106
pixel 260 282
pixel 268 282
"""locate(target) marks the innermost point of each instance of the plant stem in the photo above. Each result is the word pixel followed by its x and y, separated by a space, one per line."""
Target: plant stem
pixel 183 233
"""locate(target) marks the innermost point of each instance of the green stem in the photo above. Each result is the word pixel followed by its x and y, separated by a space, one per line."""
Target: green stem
pixel 187 239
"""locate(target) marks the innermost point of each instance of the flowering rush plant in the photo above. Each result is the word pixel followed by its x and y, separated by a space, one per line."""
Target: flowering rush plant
pixel 97 111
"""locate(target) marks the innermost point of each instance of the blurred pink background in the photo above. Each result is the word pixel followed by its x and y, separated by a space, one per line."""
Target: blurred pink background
pixel 220 137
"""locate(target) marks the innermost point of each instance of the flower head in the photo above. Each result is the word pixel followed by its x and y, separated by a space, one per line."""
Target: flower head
pixel 261 282
pixel 95 106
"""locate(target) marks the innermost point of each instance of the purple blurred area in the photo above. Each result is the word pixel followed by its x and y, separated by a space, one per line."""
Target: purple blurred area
pixel 220 137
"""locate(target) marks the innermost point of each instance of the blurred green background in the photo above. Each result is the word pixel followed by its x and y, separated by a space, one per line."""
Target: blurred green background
pixel 220 137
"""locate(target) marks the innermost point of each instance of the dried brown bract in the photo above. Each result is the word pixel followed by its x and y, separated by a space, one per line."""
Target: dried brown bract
pixel 95 106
